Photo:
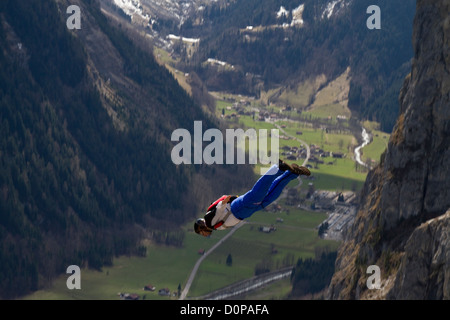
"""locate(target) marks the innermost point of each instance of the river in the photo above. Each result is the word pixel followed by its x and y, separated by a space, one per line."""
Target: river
pixel 366 141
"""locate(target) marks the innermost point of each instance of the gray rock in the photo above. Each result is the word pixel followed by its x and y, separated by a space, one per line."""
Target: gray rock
pixel 424 272
pixel 402 224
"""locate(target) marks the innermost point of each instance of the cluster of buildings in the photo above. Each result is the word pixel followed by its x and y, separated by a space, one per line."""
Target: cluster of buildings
pixel 317 154
pixel 341 209
pixel 239 108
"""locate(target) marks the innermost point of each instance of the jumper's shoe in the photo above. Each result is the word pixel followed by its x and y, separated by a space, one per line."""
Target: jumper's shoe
pixel 294 168
pixel 300 170
pixel 283 166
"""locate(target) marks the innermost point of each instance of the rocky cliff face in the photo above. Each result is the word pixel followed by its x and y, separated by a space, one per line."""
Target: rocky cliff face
pixel 403 224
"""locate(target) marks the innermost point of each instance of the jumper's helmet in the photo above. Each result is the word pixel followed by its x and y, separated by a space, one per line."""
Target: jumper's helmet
pixel 201 228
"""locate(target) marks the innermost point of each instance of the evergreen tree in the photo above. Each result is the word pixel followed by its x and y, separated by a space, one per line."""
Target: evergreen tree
pixel 229 261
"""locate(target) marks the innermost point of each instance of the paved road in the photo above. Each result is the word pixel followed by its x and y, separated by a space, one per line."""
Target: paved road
pixel 308 150
pixel 197 265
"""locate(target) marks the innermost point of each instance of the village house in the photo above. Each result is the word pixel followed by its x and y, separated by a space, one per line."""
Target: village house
pixel 291 157
pixel 129 296
pixel 267 229
pixel 338 155
pixel 164 292
pixel 149 287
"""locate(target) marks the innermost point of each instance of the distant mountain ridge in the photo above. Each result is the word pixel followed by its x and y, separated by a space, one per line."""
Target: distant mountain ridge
pixel 273 43
pixel 268 50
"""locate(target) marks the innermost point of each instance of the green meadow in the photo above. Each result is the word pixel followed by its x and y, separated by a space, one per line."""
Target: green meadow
pixel 163 267
pixel 374 150
pixel 169 267
pixel 334 173
pixel 294 238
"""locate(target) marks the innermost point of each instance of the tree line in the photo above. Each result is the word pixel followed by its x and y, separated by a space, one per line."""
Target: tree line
pixel 311 276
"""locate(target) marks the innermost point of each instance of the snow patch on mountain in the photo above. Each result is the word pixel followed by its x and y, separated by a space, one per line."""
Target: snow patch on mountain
pixel 282 12
pixel 297 15
pixel 334 7
pixel 130 7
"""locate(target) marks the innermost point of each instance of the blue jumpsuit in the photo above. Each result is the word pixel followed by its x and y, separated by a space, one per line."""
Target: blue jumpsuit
pixel 265 191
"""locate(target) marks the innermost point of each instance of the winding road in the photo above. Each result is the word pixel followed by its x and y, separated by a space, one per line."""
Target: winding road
pixel 308 150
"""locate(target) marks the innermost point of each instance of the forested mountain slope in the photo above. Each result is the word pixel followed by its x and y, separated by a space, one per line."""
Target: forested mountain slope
pixel 274 43
pixel 86 118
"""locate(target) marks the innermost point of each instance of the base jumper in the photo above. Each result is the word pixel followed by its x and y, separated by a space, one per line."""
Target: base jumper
pixel 228 211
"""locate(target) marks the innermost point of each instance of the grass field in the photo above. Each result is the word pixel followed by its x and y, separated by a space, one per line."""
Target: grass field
pixel 294 238
pixel 278 290
pixel 301 95
pixel 163 267
pixel 340 175
pixel 163 58
pixel 169 267
pixel 334 94
pixel 376 147
pixel 378 144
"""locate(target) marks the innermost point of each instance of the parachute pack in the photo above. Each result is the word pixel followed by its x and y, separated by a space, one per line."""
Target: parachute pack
pixel 211 212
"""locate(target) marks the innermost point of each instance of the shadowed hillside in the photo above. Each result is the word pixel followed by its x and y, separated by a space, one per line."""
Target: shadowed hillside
pixel 86 119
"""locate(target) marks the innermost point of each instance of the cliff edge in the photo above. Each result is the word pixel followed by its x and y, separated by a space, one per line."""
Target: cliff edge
pixel 403 223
